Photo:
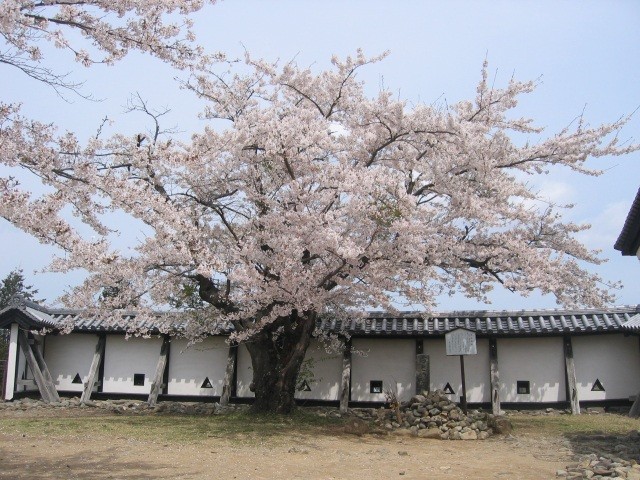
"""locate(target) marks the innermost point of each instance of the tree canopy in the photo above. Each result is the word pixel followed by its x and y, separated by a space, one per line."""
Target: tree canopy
pixel 14 284
pixel 304 196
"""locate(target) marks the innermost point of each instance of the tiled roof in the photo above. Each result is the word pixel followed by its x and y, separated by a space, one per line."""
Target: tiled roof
pixel 629 238
pixel 493 323
pixel 410 324
pixel 26 313
pixel 633 324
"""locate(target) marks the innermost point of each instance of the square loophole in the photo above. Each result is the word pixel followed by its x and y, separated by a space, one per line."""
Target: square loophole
pixel 138 379
pixel 523 387
pixel 375 386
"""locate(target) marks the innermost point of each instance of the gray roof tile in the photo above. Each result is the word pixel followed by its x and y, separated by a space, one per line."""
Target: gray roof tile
pixel 409 324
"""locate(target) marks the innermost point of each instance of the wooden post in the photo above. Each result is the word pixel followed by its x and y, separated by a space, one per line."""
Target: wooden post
pixel 345 386
pixel 495 376
pixel 12 362
pixel 422 369
pixel 94 369
pixel 572 388
pixel 156 385
pixel 463 399
pixel 635 408
pixel 45 373
pixel 33 365
pixel 227 387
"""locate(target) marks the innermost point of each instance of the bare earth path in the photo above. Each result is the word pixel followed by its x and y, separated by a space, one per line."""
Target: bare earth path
pixel 108 455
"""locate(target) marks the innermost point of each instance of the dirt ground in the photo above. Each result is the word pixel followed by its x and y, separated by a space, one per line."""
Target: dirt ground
pixel 36 455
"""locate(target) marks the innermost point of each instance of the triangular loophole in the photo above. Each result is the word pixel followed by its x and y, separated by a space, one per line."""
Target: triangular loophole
pixel 77 379
pixel 447 389
pixel 597 386
pixel 206 383
pixel 304 386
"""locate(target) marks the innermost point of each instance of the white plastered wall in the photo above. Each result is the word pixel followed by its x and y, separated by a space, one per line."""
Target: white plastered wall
pixel 393 361
pixel 612 359
pixel 123 358
pixel 446 369
pixel 69 355
pixel 190 366
pixel 324 373
pixel 244 373
pixel 537 360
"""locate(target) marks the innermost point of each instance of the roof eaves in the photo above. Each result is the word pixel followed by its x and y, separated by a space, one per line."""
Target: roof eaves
pixel 628 241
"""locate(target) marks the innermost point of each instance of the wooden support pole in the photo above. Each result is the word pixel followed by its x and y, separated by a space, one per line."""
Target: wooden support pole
pixel 464 386
pixel 45 373
pixel 635 408
pixel 98 355
pixel 156 385
pixel 345 384
pixel 572 388
pixel 495 376
pixel 33 366
pixel 229 381
pixel 12 362
pixel 422 369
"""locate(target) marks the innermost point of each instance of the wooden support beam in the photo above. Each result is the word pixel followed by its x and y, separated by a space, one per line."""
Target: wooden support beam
pixel 345 384
pixel 45 372
pixel 495 376
pixel 229 377
pixel 156 385
pixel 32 363
pixel 572 387
pixel 12 362
pixel 26 383
pixel 423 372
pixel 635 408
pixel 98 356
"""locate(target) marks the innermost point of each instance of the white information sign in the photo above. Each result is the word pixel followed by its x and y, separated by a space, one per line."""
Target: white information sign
pixel 461 342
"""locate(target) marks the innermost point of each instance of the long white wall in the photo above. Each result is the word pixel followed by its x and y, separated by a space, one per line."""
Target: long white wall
pixel 190 366
pixel 612 359
pixel 446 370
pixel 391 361
pixel 67 356
pixel 124 358
pixel 540 361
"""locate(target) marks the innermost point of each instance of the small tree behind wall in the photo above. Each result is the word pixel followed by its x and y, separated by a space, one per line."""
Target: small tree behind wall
pixel 13 284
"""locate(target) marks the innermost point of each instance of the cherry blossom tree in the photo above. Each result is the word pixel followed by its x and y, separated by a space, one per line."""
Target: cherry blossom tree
pixel 110 29
pixel 306 197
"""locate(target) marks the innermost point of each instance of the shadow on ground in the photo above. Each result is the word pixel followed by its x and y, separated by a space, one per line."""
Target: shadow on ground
pixel 98 466
pixel 626 447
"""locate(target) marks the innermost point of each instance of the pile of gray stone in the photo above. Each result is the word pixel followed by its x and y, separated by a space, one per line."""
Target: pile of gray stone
pixel 433 415
pixel 594 467
pixel 617 456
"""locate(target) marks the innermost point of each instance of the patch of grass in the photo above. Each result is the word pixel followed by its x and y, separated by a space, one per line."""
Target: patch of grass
pixel 237 426
pixel 607 423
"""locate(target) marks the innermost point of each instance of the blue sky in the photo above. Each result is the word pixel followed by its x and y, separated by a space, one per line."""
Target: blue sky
pixel 586 55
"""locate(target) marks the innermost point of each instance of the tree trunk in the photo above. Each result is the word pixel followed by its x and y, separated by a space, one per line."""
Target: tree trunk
pixel 277 353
